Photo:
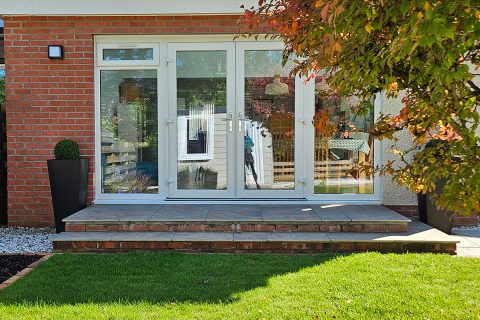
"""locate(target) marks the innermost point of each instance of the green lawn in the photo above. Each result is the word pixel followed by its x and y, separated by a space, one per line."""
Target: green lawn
pixel 253 286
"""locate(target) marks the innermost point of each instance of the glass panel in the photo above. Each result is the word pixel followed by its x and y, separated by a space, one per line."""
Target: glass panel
pixel 128 54
pixel 202 120
pixel 342 144
pixel 269 126
pixel 129 126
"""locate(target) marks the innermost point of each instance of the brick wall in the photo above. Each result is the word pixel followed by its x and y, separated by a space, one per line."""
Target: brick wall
pixel 411 211
pixel 48 100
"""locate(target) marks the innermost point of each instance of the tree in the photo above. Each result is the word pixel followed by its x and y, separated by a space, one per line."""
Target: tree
pixel 426 52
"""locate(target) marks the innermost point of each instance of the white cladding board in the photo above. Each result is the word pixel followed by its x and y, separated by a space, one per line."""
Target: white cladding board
pixel 122 7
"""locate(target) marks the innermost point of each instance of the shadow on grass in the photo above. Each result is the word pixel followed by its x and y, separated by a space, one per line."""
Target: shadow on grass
pixel 151 277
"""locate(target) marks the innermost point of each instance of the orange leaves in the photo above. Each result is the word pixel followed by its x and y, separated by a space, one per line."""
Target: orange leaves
pixel 324 12
pixel 337 46
pixel 426 6
pixel 392 88
pixel 295 26
pixel 446 133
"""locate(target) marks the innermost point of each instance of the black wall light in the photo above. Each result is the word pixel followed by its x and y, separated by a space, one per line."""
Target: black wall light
pixel 55 52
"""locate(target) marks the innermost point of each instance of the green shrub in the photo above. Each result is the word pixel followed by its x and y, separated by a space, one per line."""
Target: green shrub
pixel 2 91
pixel 67 150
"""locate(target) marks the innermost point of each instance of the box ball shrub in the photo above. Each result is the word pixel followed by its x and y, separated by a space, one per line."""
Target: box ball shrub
pixel 67 150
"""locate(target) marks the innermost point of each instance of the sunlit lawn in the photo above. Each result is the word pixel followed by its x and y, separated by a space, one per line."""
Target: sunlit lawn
pixel 224 286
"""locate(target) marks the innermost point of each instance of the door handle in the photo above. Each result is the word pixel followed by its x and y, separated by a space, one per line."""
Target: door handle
pixel 229 118
pixel 241 120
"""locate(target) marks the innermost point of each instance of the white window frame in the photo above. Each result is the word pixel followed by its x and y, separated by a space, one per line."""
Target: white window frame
pixel 128 45
pixel 114 65
pixel 182 147
pixel 160 63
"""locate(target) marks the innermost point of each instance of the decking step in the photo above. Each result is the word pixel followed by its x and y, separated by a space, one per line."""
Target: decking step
pixel 419 238
pixel 237 218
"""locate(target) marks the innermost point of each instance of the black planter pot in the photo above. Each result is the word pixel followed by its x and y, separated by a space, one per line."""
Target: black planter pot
pixel 428 213
pixel 422 207
pixel 68 183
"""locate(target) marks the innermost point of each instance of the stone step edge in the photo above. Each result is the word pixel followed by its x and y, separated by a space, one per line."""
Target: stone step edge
pixel 319 237
pixel 238 227
pixel 279 246
pixel 222 222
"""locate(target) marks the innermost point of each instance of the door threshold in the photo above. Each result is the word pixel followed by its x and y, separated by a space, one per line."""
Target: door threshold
pixel 236 201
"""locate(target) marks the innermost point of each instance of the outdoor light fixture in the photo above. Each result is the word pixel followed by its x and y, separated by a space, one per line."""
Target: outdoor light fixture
pixel 55 52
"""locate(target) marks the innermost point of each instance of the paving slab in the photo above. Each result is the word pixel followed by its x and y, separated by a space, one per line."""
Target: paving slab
pixel 82 236
pixel 365 213
pixel 234 213
pixel 112 213
pixel 202 236
pixel 285 208
pixel 468 252
pixel 181 213
pixel 417 232
pixel 141 236
pixel 304 215
pixel 333 212
pixel 250 236
pixel 466 242
pixel 274 213
pixel 298 237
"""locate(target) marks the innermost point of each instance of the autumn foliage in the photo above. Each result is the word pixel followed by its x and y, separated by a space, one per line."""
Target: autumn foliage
pixel 425 52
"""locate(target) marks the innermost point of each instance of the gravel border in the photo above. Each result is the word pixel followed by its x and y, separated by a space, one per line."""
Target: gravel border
pixel 16 240
pixel 469 228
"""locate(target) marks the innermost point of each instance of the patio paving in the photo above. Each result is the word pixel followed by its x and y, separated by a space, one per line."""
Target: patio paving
pixel 417 232
pixel 469 243
pixel 232 213
pixel 251 227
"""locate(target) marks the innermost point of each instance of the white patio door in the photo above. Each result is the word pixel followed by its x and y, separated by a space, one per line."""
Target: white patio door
pixel 201 107
pixel 270 126
pixel 235 122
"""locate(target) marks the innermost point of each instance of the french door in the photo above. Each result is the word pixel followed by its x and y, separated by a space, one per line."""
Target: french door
pixel 235 122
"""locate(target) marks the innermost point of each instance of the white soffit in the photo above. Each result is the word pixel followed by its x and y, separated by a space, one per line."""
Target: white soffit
pixel 122 7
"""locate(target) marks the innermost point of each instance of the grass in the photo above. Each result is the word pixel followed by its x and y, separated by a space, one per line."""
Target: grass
pixel 253 286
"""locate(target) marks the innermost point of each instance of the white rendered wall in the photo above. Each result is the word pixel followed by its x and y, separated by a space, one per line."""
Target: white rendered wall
pixel 392 193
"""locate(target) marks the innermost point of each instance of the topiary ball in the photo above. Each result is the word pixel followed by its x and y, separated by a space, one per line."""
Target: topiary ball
pixel 67 150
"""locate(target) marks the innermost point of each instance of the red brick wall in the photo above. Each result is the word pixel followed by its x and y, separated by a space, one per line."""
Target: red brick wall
pixel 409 211
pixel 48 100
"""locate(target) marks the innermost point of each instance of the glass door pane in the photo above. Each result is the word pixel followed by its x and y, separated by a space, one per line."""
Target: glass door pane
pixel 342 144
pixel 129 131
pixel 269 107
pixel 203 121
pixel 269 126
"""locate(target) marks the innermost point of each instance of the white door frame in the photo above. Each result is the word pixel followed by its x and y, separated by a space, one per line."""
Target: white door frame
pixel 300 180
pixel 173 191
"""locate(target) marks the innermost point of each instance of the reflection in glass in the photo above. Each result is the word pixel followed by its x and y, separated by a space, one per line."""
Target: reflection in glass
pixel 342 144
pixel 128 54
pixel 202 120
pixel 269 126
pixel 129 126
